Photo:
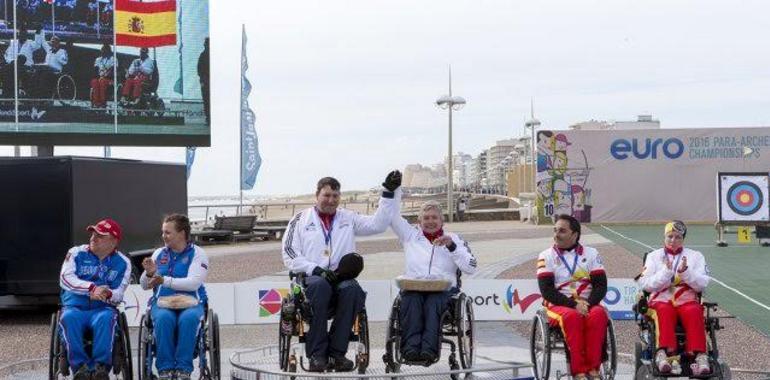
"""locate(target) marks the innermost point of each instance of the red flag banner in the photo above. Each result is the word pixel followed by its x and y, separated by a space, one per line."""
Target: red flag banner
pixel 145 24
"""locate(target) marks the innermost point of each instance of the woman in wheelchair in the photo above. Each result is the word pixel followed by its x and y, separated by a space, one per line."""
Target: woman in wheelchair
pixel 572 282
pixel 675 276
pixel 430 253
pixel 176 274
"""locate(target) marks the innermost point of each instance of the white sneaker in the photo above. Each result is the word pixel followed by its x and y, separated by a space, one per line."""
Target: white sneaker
pixel 676 368
pixel 661 361
pixel 701 366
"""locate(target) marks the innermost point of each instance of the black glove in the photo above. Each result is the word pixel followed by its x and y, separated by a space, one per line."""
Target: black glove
pixel 392 181
pixel 326 274
pixel 350 266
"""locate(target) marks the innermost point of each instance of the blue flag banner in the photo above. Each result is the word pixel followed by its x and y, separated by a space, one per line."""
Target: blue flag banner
pixel 250 159
pixel 189 159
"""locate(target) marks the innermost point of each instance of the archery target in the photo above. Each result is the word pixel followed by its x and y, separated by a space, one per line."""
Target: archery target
pixel 743 198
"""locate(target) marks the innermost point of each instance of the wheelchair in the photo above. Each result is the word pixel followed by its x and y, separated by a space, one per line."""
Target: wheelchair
pixel 456 321
pixel 149 102
pixel 546 338
pixel 207 347
pixel 645 349
pixel 58 364
pixel 296 313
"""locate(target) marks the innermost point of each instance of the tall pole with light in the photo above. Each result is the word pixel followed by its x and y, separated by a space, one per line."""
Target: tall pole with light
pixel 533 124
pixel 450 103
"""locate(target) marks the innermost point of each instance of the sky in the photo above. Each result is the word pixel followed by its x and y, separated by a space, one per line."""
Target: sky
pixel 347 88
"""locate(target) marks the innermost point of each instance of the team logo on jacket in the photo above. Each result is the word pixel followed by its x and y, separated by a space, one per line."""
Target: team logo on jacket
pixel 270 301
pixel 512 299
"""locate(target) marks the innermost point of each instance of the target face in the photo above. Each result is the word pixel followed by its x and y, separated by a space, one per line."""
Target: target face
pixel 743 197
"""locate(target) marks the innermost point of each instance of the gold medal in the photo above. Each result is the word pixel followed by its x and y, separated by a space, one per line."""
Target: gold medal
pixel 327 252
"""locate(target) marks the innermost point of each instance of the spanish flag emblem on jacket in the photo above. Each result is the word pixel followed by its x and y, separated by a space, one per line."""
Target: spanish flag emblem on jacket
pixel 145 23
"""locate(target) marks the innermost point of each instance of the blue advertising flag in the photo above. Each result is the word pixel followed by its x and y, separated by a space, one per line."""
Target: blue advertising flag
pixel 189 159
pixel 250 159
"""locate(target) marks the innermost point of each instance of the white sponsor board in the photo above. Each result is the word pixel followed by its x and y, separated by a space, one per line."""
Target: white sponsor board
pixel 493 300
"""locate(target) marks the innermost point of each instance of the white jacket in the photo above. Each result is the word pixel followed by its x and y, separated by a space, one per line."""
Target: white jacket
pixel 657 278
pixel 584 262
pixel 418 249
pixel 304 242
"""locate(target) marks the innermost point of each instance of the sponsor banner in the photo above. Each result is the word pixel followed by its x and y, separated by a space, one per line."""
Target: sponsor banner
pixel 493 300
pixel 221 299
pixel 260 302
pixel 615 175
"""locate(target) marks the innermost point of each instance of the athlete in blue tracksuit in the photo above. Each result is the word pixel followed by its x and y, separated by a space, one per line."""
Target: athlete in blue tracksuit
pixel 93 279
pixel 178 268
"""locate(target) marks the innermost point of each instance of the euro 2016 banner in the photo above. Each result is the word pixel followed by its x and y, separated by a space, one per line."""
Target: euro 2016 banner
pixel 743 197
pixel 650 175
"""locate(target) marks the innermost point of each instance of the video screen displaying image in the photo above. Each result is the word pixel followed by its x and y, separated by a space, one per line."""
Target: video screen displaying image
pixel 112 72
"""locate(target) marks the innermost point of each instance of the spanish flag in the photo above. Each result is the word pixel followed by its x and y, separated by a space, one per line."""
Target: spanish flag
pixel 145 24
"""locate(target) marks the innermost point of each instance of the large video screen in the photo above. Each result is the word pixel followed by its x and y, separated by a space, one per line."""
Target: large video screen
pixel 104 72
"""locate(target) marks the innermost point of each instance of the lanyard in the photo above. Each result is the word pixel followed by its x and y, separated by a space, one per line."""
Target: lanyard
pixel 675 266
pixel 574 264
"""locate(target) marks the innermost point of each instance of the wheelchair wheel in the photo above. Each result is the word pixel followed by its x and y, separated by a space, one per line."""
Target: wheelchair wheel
pixel 540 346
pixel 362 353
pixel 610 363
pixel 637 356
pixel 123 368
pixel 57 357
pixel 466 334
pixel 285 331
pixel 212 341
pixel 65 88
pixel 145 349
pixel 392 357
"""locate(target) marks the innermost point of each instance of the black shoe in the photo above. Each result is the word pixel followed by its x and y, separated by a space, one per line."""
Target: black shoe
pixel 82 373
pixel 317 365
pixel 411 356
pixel 342 364
pixel 428 357
pixel 101 373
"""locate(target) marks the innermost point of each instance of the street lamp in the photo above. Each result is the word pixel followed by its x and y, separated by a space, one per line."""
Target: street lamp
pixel 450 103
pixel 533 124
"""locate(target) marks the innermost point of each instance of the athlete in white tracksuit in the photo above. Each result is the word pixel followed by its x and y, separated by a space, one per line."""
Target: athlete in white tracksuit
pixel 315 241
pixel 429 253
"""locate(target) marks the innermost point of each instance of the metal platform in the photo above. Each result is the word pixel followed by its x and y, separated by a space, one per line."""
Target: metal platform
pixel 262 363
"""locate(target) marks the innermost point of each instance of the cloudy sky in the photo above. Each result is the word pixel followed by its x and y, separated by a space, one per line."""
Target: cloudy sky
pixel 346 88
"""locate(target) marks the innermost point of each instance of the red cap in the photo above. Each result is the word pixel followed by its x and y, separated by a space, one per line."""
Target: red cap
pixel 107 227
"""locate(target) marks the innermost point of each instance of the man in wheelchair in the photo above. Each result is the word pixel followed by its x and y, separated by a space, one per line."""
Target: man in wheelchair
pixel 572 282
pixel 93 279
pixel 431 253
pixel 140 74
pixel 316 241
pixel 675 276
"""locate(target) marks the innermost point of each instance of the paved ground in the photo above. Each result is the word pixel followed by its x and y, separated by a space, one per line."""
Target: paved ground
pixel 504 250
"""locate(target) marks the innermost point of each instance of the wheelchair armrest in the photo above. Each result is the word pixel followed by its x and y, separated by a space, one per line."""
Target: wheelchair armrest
pixel 710 305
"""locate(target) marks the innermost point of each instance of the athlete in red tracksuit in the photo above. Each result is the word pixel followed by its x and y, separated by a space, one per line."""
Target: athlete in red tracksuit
pixel 674 276
pixel 572 281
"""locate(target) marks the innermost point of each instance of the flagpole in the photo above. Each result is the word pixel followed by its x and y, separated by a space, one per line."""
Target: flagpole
pixel 240 128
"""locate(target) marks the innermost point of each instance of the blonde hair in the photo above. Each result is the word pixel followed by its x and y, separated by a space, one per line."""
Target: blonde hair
pixel 430 205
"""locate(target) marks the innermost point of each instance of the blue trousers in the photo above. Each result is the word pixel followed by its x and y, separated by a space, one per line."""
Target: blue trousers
pixel 175 337
pixel 74 322
pixel 341 302
pixel 420 317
